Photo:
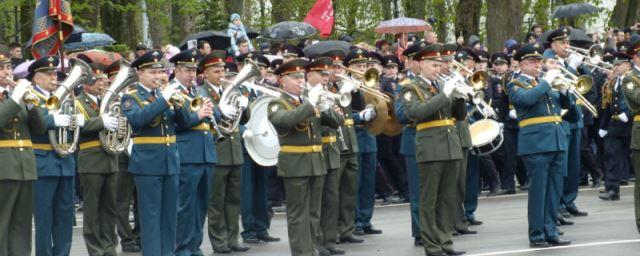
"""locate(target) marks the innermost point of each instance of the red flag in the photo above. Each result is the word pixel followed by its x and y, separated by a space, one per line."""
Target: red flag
pixel 321 17
pixel 50 17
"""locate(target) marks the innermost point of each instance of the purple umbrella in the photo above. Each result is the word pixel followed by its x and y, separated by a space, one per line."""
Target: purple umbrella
pixel 402 25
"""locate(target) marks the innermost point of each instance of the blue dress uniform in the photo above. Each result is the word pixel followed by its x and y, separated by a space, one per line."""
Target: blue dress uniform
pixel 617 142
pixel 154 161
pixel 53 191
pixel 197 158
pixel 542 146
pixel 367 160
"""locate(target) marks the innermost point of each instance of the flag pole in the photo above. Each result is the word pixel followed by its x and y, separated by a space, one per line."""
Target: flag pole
pixel 60 50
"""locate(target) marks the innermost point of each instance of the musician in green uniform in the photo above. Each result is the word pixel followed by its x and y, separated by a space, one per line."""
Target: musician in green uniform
pixel 297 120
pixel 438 150
pixel 18 120
pixel 224 202
pixel 631 90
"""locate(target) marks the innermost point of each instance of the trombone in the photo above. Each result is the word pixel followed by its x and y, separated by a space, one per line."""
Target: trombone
pixel 593 56
pixel 477 96
pixel 370 79
pixel 479 80
pixel 578 86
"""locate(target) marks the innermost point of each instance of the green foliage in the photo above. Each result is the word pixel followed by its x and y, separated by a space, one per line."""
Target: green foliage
pixel 119 48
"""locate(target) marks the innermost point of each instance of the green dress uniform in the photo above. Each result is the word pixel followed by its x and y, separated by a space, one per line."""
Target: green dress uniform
pixel 438 153
pixel 224 202
pixel 300 162
pixel 631 90
pixel 17 123
pixel 98 175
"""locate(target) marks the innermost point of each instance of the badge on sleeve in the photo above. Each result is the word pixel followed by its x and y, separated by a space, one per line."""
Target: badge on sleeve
pixel 127 104
pixel 274 108
pixel 630 86
pixel 407 96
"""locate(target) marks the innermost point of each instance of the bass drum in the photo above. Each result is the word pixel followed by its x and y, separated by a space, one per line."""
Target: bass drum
pixel 486 137
pixel 263 146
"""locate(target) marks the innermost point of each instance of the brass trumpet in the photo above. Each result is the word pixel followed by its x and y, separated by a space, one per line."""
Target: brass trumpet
pixel 29 96
pixel 177 99
pixel 578 86
pixel 368 84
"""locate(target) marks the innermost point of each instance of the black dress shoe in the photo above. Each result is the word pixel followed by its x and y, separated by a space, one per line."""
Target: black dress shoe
pixel 372 231
pixel 358 232
pixel 564 213
pixel 624 183
pixel 539 244
pixel 474 222
pixel 560 233
pixel 438 253
pixel 453 252
pixel 577 213
pixel 583 183
pixel 251 240
pixel 418 241
pixel 350 240
pixel 564 222
pixel 267 238
pixel 323 251
pixel 558 242
pixel 596 184
pixel 610 196
pixel 222 250
pixel 238 248
pixel 492 193
pixel 524 187
pixel 467 232
pixel 506 192
pixel 335 251
pixel 130 248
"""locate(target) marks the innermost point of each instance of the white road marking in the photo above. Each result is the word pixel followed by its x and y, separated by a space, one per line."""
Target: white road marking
pixel 511 252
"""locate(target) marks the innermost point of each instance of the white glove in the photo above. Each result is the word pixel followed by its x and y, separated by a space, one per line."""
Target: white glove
pixel 80 120
pixel 368 114
pixel 623 117
pixel 228 111
pixel 575 60
pixel 512 114
pixel 19 91
pixel 347 87
pixel 243 102
pixel 248 134
pixel 61 120
pixel 501 125
pixel 314 95
pixel 168 92
pixel 602 133
pixel 488 112
pixel 551 75
pixel 110 123
pixel 449 87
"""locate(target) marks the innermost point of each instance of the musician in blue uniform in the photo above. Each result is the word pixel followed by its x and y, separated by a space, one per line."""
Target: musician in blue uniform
pixel 559 40
pixel 357 59
pixel 197 157
pixel 54 189
pixel 615 128
pixel 155 161
pixel 542 143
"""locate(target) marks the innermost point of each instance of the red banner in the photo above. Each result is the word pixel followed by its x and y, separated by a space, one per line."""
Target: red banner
pixel 52 25
pixel 321 17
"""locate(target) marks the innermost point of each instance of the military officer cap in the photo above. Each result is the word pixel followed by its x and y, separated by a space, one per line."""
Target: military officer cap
pixel 560 34
pixel 242 57
pixel 151 59
pixel 43 64
pixel 635 45
pixel 391 60
pixel 429 52
pixel 214 59
pixel 513 49
pixel 621 57
pixel 529 51
pixel 356 55
pixel 289 50
pixel 413 49
pixel 187 58
pixel 230 68
pixel 275 64
pixel 322 65
pixel 448 51
pixel 98 70
pixel 260 60
pixel 549 54
pixel 375 57
pixel 295 68
pixel 112 69
pixel 483 56
pixel 500 58
pixel 337 56
pixel 608 55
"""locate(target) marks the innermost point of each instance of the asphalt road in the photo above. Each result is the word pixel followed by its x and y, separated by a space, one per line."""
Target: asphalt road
pixel 608 230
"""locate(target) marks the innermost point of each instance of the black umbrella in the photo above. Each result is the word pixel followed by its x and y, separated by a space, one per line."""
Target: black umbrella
pixel 251 33
pixel 217 39
pixel 577 37
pixel 572 10
pixel 325 46
pixel 289 30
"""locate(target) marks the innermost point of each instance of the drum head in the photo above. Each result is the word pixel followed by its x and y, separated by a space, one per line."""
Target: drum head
pixel 264 146
pixel 483 132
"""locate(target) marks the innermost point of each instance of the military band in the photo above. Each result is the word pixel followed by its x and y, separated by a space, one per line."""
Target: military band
pixel 192 154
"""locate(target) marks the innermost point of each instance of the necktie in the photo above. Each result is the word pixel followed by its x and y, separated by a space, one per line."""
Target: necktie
pixel 154 94
pixel 618 82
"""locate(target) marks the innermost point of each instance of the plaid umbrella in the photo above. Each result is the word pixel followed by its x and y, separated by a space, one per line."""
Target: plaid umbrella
pixel 402 25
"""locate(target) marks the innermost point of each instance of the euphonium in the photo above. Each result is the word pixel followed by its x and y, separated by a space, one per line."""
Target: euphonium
pixel 231 95
pixel 116 142
pixel 62 102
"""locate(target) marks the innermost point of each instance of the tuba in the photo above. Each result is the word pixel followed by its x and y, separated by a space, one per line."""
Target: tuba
pixel 63 102
pixel 115 142
pixel 231 95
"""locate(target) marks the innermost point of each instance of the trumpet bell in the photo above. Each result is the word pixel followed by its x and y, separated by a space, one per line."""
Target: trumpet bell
pixel 584 84
pixel 371 77
pixel 479 80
